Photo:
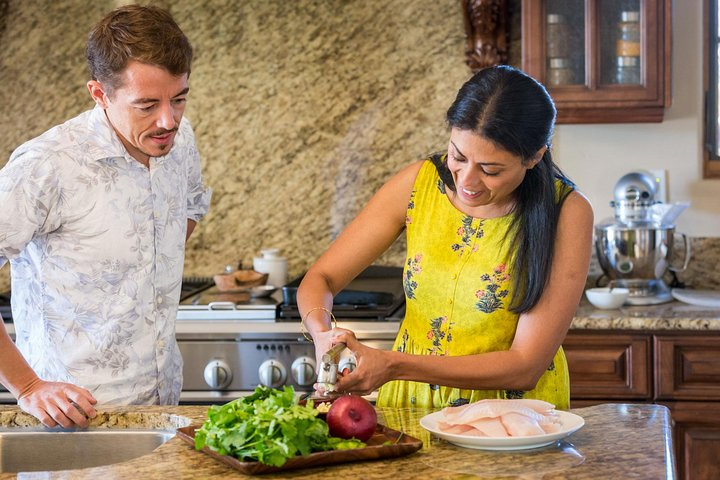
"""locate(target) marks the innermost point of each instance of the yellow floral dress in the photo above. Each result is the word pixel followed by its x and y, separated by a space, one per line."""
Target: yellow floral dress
pixel 458 291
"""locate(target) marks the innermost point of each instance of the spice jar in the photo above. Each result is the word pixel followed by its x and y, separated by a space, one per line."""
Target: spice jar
pixel 628 40
pixel 559 72
pixel 557 36
pixel 628 70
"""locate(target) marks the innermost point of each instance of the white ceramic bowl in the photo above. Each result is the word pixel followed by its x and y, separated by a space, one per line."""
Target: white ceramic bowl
pixel 607 298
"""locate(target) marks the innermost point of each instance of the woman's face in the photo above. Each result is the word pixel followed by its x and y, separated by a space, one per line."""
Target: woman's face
pixel 485 175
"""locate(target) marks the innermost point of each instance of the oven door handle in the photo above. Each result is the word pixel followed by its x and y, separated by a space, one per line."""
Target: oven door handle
pixel 221 306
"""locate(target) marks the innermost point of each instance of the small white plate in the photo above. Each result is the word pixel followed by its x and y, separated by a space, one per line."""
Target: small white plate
pixel 701 298
pixel 569 421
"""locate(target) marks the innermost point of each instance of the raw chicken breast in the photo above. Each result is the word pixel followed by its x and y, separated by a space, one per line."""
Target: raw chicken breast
pixel 490 427
pixel 501 418
pixel 495 408
pixel 518 425
pixel 455 429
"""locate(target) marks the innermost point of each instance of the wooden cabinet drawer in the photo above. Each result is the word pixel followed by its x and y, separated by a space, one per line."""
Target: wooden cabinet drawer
pixel 608 367
pixel 687 367
pixel 696 438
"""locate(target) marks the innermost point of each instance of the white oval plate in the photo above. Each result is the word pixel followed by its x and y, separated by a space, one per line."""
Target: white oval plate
pixel 569 421
pixel 701 298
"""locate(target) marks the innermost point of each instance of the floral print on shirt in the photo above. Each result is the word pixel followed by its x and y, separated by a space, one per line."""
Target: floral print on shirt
pixel 437 335
pixel 514 394
pixel 97 257
pixel 409 281
pixel 490 298
pixel 467 234
pixel 411 205
pixel 441 186
pixel 404 341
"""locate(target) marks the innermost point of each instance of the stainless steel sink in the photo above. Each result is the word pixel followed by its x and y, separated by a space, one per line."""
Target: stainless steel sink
pixel 35 449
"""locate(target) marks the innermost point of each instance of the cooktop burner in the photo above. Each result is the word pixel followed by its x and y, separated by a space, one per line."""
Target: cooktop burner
pixel 376 294
pixel 193 285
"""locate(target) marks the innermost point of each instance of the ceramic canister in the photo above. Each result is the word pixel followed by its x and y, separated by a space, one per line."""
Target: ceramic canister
pixel 274 265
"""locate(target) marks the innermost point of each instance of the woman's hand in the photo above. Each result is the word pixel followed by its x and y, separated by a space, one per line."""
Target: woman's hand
pixel 324 341
pixel 371 370
pixel 55 403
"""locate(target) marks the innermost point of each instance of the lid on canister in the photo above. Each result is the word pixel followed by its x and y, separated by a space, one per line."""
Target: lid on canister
pixel 623 61
pixel 270 252
pixel 555 18
pixel 559 62
pixel 629 16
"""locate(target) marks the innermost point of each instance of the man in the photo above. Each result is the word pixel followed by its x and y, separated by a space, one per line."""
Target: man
pixel 95 214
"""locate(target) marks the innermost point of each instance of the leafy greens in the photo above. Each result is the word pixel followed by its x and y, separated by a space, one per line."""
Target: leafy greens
pixel 268 426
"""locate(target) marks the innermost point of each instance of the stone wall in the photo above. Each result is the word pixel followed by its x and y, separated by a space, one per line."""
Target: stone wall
pixel 301 109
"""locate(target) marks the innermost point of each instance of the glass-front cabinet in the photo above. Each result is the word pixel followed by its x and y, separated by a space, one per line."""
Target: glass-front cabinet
pixel 603 61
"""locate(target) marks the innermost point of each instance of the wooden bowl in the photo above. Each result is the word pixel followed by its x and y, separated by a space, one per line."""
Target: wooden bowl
pixel 240 280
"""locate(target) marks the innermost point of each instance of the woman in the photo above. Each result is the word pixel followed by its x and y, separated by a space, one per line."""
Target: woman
pixel 498 249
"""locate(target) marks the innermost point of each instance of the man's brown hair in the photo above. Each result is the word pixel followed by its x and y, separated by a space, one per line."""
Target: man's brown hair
pixel 147 34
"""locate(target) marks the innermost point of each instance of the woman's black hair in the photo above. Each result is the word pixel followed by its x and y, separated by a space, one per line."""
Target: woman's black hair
pixel 515 112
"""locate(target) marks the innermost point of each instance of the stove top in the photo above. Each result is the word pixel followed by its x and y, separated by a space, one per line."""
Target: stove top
pixel 376 294
pixel 210 303
pixel 193 285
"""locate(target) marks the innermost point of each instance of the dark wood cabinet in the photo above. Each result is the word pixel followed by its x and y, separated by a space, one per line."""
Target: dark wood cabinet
pixel 608 368
pixel 603 61
pixel 687 367
pixel 696 439
pixel 679 370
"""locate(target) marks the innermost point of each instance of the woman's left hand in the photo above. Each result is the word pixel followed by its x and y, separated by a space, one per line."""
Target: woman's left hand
pixel 370 372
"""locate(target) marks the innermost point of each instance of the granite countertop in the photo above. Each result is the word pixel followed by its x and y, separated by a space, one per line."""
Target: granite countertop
pixel 666 316
pixel 617 441
pixel 672 316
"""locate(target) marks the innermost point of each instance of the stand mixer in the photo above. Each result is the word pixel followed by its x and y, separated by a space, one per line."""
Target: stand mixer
pixel 634 248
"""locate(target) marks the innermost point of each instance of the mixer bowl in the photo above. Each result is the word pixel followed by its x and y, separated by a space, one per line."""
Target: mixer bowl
pixel 626 252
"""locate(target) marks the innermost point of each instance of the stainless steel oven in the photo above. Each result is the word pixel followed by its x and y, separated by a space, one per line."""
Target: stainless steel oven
pixel 238 348
pixel 218 368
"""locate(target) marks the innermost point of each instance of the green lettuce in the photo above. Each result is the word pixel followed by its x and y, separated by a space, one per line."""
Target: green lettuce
pixel 268 426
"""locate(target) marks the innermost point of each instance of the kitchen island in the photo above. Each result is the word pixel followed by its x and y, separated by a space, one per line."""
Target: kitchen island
pixel 617 441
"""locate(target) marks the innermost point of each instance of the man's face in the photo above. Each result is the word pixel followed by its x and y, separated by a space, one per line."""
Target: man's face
pixel 145 110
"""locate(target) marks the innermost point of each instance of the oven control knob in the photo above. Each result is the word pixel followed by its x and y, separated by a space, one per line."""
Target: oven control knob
pixel 303 371
pixel 272 373
pixel 218 374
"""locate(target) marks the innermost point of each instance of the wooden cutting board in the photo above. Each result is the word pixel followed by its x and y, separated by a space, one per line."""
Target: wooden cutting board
pixel 385 443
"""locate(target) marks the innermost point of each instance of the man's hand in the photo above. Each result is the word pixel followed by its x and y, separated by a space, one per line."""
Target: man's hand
pixel 55 403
